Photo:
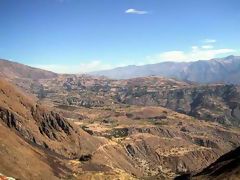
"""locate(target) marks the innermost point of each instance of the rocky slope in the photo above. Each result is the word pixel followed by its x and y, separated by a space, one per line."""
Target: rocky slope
pixel 225 70
pixel 226 167
pixel 15 153
pixel 36 124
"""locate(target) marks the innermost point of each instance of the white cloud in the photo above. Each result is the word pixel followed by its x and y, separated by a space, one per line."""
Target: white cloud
pixel 78 68
pixel 135 11
pixel 170 56
pixel 207 47
pixel 193 55
pixel 195 47
pixel 209 41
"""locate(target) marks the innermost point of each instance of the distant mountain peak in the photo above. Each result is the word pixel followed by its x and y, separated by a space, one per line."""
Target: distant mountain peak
pixel 231 56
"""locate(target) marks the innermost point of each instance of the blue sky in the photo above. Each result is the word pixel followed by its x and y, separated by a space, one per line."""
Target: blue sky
pixel 85 35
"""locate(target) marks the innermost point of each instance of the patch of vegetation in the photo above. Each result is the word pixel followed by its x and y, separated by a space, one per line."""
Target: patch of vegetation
pixel 160 117
pixel 86 129
pixel 129 115
pixel 110 122
pixel 138 91
pixel 119 133
pixel 158 122
pixel 66 107
pixel 164 112
pixel 86 157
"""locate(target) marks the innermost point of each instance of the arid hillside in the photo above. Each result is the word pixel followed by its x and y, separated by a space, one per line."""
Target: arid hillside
pixel 36 124
pixel 18 158
pixel 226 167
pixel 84 127
pixel 15 70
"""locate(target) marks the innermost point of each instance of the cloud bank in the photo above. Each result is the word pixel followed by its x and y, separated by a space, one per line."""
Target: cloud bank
pixel 204 52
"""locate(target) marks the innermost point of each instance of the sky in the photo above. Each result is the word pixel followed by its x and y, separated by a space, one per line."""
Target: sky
pixel 77 36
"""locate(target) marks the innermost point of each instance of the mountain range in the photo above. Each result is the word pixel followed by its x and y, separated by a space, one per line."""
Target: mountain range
pixel 220 70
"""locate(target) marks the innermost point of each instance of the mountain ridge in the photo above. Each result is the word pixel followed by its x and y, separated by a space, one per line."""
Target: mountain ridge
pixel 215 70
